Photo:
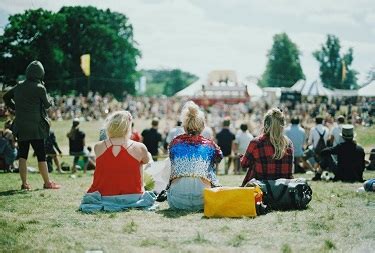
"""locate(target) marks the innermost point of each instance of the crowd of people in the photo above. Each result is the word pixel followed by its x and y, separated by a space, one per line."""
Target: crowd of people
pixel 253 137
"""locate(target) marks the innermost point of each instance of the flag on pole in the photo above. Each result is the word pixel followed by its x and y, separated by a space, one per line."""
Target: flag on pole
pixel 343 74
pixel 85 64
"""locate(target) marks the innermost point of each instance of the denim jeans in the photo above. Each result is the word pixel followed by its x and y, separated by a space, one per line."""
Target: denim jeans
pixel 186 194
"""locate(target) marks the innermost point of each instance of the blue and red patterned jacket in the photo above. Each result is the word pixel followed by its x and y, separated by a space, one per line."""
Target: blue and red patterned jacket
pixel 194 156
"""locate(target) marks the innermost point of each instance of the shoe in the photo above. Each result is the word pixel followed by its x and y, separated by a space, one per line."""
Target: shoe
pixel 51 185
pixel 61 172
pixel 162 196
pixel 26 187
pixel 317 177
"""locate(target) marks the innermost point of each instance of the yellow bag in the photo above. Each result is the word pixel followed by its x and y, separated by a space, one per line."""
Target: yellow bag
pixel 231 201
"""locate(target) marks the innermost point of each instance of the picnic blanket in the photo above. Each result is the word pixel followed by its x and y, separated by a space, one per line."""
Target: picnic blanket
pixel 94 202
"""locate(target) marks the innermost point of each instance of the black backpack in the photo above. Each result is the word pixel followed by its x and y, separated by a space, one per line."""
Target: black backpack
pixel 286 194
pixel 321 143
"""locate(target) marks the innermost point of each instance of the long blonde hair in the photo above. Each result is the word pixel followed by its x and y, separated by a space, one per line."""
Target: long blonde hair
pixel 192 118
pixel 274 121
pixel 118 124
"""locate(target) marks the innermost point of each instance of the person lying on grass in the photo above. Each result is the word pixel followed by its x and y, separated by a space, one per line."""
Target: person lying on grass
pixel 119 171
pixel 193 160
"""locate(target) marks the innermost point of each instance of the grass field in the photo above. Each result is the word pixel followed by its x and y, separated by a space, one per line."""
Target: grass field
pixel 338 219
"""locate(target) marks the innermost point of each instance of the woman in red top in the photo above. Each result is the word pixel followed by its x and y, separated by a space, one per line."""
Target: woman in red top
pixel 119 160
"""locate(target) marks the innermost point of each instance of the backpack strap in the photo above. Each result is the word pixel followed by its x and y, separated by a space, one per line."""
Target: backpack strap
pixel 321 135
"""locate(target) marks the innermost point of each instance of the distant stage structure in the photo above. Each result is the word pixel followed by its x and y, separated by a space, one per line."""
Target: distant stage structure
pixel 221 86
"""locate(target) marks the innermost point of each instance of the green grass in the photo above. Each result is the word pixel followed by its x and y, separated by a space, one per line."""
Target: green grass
pixel 338 219
pixel 366 137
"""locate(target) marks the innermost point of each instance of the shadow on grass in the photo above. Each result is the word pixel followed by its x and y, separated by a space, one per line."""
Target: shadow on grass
pixel 15 192
pixel 170 213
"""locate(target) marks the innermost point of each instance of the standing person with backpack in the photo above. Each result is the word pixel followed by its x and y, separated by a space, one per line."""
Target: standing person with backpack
pixel 318 139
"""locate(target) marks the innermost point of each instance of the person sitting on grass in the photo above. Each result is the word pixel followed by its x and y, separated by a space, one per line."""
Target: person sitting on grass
pixel 350 157
pixel 76 144
pixel 119 171
pixel 369 185
pixel 193 160
pixel 8 149
pixel 91 163
pixel 270 155
pixel 51 147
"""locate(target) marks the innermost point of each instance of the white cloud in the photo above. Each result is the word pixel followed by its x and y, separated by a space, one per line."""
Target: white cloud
pixel 339 19
pixel 370 19
pixel 199 36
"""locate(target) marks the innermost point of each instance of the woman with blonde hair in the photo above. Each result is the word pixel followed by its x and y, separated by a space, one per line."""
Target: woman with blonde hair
pixel 193 160
pixel 270 155
pixel 118 176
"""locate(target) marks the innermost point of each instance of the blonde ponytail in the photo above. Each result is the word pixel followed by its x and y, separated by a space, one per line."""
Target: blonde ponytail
pixel 192 118
pixel 274 121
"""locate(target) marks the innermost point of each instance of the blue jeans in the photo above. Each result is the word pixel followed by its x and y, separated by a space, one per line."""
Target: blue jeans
pixel 186 194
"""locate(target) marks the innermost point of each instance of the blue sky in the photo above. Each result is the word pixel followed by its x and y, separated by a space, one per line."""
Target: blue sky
pixel 203 35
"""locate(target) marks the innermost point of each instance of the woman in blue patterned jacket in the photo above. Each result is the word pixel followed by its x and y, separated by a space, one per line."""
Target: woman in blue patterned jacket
pixel 193 160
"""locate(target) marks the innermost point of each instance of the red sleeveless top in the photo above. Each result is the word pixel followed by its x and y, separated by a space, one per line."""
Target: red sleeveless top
pixel 117 175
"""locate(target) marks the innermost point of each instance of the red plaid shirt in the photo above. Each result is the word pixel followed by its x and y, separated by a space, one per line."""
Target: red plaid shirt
pixel 258 158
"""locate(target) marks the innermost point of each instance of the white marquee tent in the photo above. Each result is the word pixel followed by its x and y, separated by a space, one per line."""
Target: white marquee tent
pixel 192 89
pixel 315 88
pixel 368 90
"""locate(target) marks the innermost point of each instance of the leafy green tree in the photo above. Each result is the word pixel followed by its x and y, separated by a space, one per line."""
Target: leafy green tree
pixel 33 35
pixel 108 37
pixel 370 75
pixel 167 82
pixel 59 39
pixel 283 67
pixel 174 84
pixel 335 70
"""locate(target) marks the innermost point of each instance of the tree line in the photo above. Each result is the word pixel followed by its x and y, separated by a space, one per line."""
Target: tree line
pixel 58 39
pixel 284 69
pixel 167 82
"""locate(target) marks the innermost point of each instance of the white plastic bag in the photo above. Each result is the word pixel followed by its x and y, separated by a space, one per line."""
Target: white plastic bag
pixel 160 171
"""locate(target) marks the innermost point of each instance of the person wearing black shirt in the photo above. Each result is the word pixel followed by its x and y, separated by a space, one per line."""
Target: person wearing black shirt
pixel 350 157
pixel 151 138
pixel 76 143
pixel 50 145
pixel 225 140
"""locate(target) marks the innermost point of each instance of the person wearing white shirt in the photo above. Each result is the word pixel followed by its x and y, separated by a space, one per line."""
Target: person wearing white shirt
pixel 336 137
pixel 243 138
pixel 297 135
pixel 175 132
pixel 208 133
pixel 318 130
pixel 314 136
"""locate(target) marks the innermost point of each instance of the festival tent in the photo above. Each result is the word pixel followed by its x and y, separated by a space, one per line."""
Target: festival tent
pixel 314 89
pixel 344 93
pixel 192 89
pixel 252 88
pixel 368 90
pixel 298 86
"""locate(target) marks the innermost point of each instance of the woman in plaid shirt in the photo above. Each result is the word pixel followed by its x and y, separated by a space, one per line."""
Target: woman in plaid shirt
pixel 270 155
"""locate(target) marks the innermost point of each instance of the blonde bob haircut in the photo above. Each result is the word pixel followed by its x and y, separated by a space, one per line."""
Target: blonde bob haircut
pixel 192 118
pixel 274 122
pixel 118 124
